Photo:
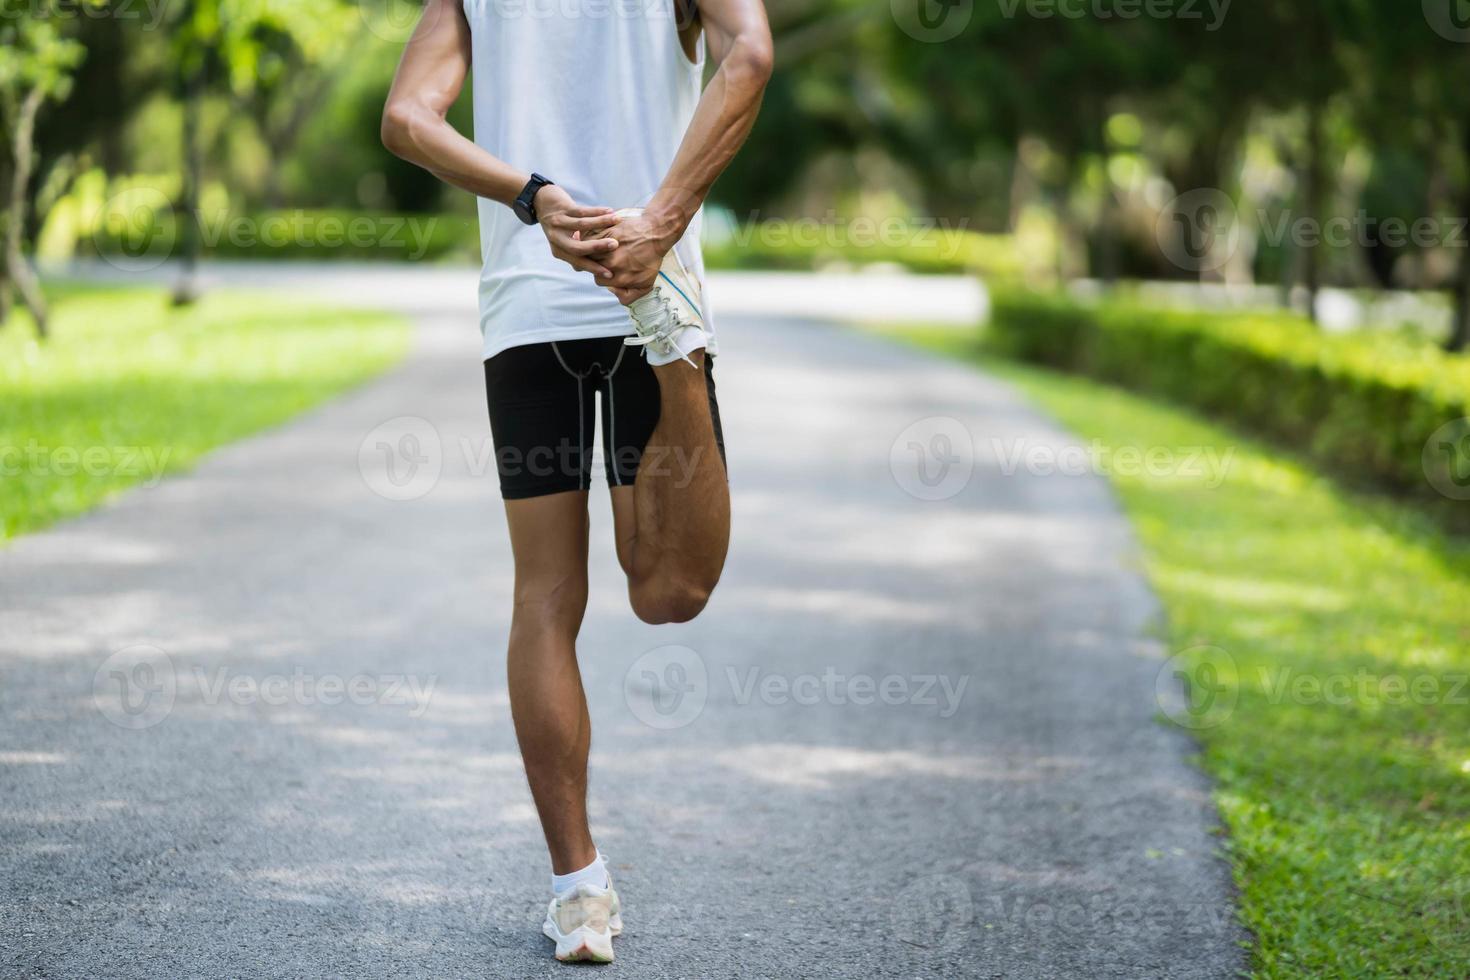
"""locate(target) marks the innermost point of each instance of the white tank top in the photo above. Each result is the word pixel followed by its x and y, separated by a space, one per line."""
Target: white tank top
pixel 596 96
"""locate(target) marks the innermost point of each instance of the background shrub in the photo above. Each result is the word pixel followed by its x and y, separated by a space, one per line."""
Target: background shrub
pixel 1363 405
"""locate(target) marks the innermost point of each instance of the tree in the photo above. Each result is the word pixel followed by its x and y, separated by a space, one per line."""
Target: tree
pixel 1013 77
pixel 36 65
pixel 250 52
pixel 1425 113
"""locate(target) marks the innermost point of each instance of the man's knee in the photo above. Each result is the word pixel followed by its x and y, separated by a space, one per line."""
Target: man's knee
pixel 670 601
pixel 555 602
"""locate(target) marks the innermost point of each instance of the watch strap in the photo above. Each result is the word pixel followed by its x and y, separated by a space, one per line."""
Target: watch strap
pixel 525 202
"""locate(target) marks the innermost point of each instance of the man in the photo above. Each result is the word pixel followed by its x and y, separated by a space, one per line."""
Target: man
pixel 579 301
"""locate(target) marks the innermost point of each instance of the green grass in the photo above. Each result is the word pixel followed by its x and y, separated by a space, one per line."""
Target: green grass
pixel 127 388
pixel 1348 814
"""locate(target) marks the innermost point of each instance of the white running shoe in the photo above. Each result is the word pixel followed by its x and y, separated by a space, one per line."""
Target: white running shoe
pixel 668 320
pixel 583 923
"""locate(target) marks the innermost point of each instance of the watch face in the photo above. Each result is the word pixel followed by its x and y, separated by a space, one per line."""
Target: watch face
pixel 523 211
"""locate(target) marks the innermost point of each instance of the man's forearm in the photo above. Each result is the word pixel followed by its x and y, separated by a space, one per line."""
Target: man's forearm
pixel 722 120
pixel 429 79
pixel 436 62
pixel 418 134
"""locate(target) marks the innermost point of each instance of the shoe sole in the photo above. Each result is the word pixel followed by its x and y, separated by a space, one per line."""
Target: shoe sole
pixel 584 945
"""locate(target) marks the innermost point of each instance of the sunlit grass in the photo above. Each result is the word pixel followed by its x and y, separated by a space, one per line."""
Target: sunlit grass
pixel 1343 769
pixel 127 387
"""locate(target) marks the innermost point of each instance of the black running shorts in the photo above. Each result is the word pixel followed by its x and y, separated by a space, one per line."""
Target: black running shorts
pixel 542 399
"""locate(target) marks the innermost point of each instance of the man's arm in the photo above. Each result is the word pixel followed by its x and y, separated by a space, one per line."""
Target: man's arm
pixel 429 80
pixel 739 42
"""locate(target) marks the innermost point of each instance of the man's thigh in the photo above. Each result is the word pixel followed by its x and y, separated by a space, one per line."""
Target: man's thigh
pixel 548 539
pixel 542 419
pixel 631 405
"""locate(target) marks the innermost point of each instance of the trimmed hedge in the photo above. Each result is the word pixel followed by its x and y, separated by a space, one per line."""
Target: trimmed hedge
pixel 806 247
pixel 1364 405
pixel 143 230
pixel 291 235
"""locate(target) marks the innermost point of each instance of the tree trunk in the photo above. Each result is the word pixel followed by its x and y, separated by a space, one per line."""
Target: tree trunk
pixel 1459 337
pixel 1286 275
pixel 1109 252
pixel 186 214
pixel 1316 195
pixel 1286 152
pixel 282 140
pixel 6 293
pixel 830 31
pixel 1071 257
pixel 1023 188
pixel 16 268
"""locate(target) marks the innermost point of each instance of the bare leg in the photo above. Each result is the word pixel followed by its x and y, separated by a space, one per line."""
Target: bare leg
pixel 548 536
pixel 673 524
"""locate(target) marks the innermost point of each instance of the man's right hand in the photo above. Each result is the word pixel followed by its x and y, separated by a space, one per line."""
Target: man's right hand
pixel 570 229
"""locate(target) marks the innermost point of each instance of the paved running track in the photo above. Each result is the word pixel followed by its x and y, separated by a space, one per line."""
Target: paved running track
pixel 909 737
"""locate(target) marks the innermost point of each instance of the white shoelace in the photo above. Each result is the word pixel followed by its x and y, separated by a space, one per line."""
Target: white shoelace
pixel 664 334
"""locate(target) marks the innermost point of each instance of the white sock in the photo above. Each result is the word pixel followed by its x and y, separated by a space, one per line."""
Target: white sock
pixel 595 874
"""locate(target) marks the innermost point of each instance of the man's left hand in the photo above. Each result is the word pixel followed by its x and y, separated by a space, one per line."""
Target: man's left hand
pixel 643 241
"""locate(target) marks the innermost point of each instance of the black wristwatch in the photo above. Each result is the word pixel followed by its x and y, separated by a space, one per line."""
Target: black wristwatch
pixel 525 203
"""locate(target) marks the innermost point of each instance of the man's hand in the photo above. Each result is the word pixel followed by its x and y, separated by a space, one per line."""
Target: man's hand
pixel 572 231
pixel 643 241
pixel 739 42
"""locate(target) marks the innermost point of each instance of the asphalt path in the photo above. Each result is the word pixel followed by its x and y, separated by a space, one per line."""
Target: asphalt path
pixel 253 720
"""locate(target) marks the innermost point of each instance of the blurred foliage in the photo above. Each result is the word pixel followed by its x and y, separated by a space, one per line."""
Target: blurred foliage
pixel 1362 405
pixel 1096 114
pixel 34 54
pixel 36 66
pixel 130 222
